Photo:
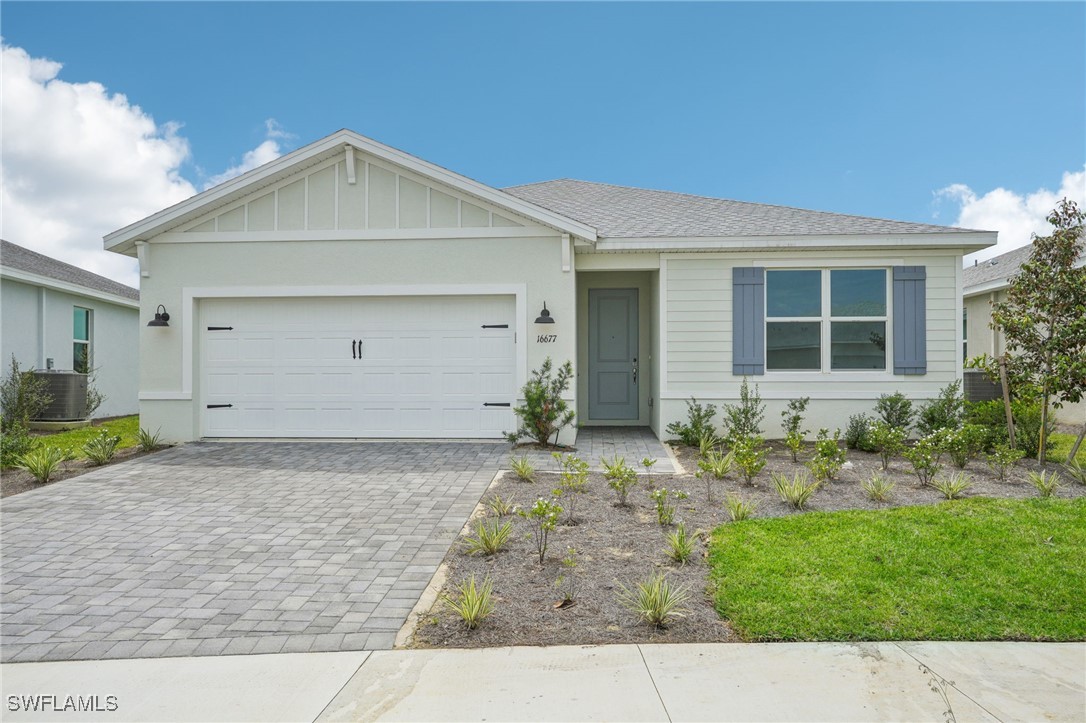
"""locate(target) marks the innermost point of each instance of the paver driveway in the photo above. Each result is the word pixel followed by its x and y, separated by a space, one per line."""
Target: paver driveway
pixel 218 549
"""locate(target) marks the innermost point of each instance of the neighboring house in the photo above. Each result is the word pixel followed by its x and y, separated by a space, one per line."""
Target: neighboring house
pixel 985 283
pixel 55 314
pixel 349 289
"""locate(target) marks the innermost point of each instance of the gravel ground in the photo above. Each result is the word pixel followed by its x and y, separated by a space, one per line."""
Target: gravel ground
pixel 620 545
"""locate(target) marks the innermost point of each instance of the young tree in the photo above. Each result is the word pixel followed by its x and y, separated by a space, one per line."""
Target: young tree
pixel 1044 317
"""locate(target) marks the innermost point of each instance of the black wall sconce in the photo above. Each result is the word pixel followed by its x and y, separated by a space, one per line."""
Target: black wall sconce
pixel 161 317
pixel 544 316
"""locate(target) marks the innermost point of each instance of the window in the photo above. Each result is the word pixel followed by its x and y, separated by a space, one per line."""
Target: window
pixel 826 319
pixel 81 329
pixel 965 334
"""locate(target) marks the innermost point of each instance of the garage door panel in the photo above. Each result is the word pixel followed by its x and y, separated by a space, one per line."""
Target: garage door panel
pixel 425 370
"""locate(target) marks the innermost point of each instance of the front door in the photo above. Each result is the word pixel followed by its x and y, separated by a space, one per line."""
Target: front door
pixel 612 354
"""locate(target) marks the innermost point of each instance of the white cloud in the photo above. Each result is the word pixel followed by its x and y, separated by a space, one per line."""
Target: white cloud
pixel 1014 215
pixel 79 162
pixel 267 151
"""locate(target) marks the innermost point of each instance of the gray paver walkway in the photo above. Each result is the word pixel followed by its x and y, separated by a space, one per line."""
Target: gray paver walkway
pixel 238 548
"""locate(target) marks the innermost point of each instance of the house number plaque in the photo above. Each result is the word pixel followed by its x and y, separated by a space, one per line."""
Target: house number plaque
pixel 546 338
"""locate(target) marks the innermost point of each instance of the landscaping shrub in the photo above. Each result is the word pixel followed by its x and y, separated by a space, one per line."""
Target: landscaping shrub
pixel 620 477
pixel 707 444
pixel 101 448
pixel 42 462
pixel 1003 458
pixel 947 411
pixel 829 457
pixel 490 537
pixel 1076 471
pixel 714 466
pixel 148 442
pixel 744 419
pixel 896 410
pixel 655 601
pixel 522 468
pixel 544 411
pixel 665 510
pixel 856 431
pixel 1027 423
pixel 647 463
pixel 738 508
pixel 878 488
pixel 543 518
pixel 964 443
pixel 473 604
pixel 792 423
pixel 1046 483
pixel 499 505
pixel 796 490
pixel 23 396
pixel 573 482
pixel 953 486
pixel 567 579
pixel 888 441
pixel 749 457
pixel 926 457
pixel 680 545
pixel 15 442
pixel 699 424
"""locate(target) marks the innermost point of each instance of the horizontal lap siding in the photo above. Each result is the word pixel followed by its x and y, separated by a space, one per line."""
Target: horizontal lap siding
pixel 699 327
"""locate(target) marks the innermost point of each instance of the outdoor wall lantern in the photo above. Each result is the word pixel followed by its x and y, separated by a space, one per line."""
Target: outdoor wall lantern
pixel 544 316
pixel 161 317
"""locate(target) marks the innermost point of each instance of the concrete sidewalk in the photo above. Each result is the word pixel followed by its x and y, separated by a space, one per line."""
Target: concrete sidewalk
pixel 724 682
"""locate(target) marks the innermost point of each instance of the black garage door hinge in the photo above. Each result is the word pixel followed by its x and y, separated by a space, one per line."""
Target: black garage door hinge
pixel 219 406
pixel 496 404
pixel 220 328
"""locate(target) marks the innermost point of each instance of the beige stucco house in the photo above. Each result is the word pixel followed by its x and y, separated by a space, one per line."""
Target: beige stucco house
pixel 349 289
pixel 985 283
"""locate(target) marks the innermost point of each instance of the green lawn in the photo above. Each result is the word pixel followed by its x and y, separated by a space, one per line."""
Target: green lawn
pixel 74 439
pixel 977 569
pixel 1060 445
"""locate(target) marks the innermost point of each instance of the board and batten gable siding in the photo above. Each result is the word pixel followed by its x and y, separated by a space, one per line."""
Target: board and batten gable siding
pixel 697 290
pixel 321 198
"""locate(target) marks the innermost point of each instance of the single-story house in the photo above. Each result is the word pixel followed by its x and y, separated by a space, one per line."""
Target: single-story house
pixel 58 316
pixel 984 283
pixel 349 289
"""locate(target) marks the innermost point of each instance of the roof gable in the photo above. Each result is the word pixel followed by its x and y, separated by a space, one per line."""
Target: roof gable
pixel 19 258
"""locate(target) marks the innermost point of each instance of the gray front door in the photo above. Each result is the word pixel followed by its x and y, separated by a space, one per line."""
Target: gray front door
pixel 612 354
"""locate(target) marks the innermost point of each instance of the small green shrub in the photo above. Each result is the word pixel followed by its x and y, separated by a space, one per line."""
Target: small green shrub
pixel 925 456
pixel 680 544
pixel 473 604
pixel 714 466
pixel 15 442
pixel 573 482
pixel 796 490
pixel 544 411
pixel 707 444
pixel 965 443
pixel 23 396
pixel 888 441
pixel 947 411
pixel 896 410
pixel 655 601
pixel 42 462
pixel 148 442
pixel 744 419
pixel 1046 483
pixel 699 423
pixel 829 457
pixel 792 425
pixel 647 463
pixel 490 537
pixel 665 510
pixel 1027 422
pixel 543 518
pixel 738 508
pixel 954 486
pixel 1076 471
pixel 500 506
pixel 620 477
pixel 1002 458
pixel 522 468
pixel 101 448
pixel 856 431
pixel 749 457
pixel 567 579
pixel 878 488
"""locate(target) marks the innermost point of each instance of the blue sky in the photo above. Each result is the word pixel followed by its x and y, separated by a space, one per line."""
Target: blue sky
pixel 871 109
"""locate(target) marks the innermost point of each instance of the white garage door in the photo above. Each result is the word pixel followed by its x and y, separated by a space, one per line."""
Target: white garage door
pixel 425 366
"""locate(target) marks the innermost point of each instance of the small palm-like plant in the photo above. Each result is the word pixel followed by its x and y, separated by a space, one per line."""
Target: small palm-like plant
pixel 680 544
pixel 472 603
pixel 797 490
pixel 42 462
pixel 714 465
pixel 522 468
pixel 1076 471
pixel 954 486
pixel 101 448
pixel 707 443
pixel 1046 483
pixel 148 442
pixel 655 601
pixel 738 508
pixel 878 488
pixel 490 537
pixel 500 506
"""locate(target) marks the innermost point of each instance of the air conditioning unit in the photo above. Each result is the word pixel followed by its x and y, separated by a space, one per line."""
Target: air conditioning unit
pixel 69 393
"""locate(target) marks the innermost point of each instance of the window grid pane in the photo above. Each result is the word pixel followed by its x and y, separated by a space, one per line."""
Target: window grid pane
pixel 81 324
pixel 794 293
pixel 794 345
pixel 858 292
pixel 858 345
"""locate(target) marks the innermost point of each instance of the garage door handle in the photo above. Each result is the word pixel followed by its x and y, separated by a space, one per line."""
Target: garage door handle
pixel 496 404
pixel 219 406
pixel 359 348
pixel 220 328
pixel 495 326
pixel 354 344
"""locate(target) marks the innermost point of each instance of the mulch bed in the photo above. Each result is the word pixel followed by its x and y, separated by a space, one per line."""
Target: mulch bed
pixel 622 545
pixel 14 481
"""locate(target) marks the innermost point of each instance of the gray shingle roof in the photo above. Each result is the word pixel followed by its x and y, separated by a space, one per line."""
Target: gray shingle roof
pixel 14 256
pixel 997 268
pixel 621 211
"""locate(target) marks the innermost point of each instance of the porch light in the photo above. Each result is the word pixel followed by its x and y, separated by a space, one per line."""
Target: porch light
pixel 544 316
pixel 161 317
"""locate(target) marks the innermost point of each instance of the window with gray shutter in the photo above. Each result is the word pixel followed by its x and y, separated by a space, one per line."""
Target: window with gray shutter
pixel 910 320
pixel 748 320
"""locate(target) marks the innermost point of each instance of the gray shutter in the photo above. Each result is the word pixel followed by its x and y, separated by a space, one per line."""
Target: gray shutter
pixel 748 320
pixel 910 320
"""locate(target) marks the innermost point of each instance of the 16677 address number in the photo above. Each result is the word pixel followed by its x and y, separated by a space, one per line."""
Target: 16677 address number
pixel 546 338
